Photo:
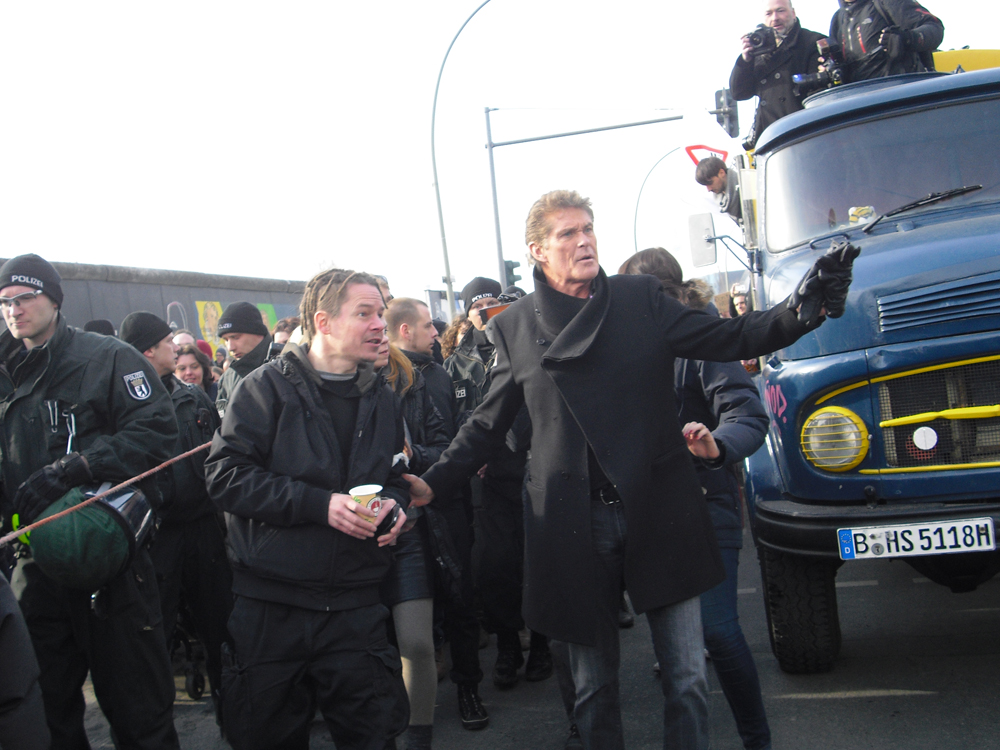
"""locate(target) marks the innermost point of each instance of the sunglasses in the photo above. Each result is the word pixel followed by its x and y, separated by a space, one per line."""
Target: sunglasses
pixel 19 299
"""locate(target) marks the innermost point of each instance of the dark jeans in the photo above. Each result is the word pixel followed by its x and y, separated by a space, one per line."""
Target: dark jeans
pixel 588 675
pixel 289 660
pixel 732 658
pixel 119 641
pixel 190 560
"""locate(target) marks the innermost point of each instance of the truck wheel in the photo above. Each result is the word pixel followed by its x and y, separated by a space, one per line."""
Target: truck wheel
pixel 801 604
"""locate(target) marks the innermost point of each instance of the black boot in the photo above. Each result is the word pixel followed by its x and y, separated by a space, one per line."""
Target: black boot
pixel 471 708
pixel 539 665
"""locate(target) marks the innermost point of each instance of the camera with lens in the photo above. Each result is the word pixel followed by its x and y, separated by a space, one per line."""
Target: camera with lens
pixel 834 72
pixel 762 40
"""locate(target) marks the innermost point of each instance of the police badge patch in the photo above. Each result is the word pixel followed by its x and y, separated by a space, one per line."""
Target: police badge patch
pixel 137 385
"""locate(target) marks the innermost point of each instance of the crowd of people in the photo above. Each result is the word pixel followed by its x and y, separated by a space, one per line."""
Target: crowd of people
pixel 360 485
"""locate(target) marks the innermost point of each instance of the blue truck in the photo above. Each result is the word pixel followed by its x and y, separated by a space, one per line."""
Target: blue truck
pixel 884 439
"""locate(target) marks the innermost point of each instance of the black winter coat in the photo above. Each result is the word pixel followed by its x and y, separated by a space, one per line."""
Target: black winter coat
pixel 273 466
pixel 606 380
pixel 858 26
pixel 197 421
pixel 429 435
pixel 439 387
pixel 770 76
pixel 105 389
pixel 722 396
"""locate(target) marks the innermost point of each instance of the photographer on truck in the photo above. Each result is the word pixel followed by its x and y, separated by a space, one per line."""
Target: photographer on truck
pixel 772 53
pixel 906 31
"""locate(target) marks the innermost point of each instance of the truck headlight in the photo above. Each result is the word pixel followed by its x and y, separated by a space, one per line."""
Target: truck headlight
pixel 834 439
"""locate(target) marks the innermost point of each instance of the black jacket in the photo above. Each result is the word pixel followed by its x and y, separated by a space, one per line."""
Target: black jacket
pixel 105 389
pixel 606 380
pixel 197 421
pixel 858 26
pixel 273 466
pixel 468 375
pixel 238 370
pixel 770 76
pixel 429 435
pixel 440 389
pixel 722 397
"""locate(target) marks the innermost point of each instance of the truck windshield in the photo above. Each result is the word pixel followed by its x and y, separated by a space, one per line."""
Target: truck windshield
pixel 849 176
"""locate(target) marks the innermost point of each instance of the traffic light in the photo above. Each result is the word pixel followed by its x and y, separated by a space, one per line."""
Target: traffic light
pixel 511 277
pixel 726 113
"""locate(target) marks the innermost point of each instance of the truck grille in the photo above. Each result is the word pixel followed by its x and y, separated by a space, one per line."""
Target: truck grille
pixel 951 301
pixel 958 441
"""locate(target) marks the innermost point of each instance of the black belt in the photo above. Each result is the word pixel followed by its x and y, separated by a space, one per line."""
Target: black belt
pixel 607 495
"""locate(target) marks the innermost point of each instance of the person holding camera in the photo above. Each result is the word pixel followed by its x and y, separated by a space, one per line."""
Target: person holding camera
pixel 885 37
pixel 772 53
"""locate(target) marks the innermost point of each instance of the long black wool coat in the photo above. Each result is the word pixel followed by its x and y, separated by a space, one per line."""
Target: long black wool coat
pixel 606 379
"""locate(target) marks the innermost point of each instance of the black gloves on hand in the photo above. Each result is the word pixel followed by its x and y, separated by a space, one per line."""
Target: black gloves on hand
pixel 825 285
pixel 48 484
pixel 896 41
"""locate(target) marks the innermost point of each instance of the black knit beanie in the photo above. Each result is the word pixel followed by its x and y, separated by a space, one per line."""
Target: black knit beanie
pixel 34 271
pixel 242 317
pixel 101 325
pixel 143 330
pixel 478 288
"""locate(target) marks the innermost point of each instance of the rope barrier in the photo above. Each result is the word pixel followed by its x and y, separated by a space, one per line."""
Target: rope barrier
pixel 4 541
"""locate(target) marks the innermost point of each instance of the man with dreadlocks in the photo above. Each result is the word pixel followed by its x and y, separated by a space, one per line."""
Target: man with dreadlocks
pixel 308 626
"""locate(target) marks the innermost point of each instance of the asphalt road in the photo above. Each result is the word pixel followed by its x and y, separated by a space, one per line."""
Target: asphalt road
pixel 919 668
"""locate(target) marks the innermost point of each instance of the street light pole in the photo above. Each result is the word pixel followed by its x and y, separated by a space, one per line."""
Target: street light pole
pixel 496 208
pixel 437 191
pixel 635 219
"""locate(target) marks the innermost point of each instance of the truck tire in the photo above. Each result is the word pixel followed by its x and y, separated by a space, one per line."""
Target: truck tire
pixel 801 604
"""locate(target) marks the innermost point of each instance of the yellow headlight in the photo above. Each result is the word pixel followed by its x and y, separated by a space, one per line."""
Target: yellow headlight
pixel 834 439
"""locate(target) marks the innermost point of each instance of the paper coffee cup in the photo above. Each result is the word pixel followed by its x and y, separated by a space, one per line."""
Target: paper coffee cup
pixel 367 495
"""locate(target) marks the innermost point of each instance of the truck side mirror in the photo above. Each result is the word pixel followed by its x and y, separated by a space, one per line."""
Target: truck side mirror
pixel 701 230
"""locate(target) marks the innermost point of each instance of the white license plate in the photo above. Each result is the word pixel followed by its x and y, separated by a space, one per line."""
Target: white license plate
pixel 911 539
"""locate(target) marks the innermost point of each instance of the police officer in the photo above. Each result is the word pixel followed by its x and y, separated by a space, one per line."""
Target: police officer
pixel 79 408
pixel 189 552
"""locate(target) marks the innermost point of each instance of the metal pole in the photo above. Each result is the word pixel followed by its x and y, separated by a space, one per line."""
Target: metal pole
pixel 437 191
pixel 496 207
pixel 635 219
pixel 589 130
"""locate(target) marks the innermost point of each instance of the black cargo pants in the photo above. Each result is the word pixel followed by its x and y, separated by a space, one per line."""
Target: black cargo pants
pixel 289 660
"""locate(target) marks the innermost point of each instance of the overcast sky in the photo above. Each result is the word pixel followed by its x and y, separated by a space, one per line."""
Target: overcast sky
pixel 276 139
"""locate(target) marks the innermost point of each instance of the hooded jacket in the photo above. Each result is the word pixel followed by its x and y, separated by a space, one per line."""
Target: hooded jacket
pixel 859 25
pixel 238 370
pixel 272 468
pixel 722 397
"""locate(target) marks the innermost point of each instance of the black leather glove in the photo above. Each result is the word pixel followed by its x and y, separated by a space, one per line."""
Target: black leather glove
pixel 825 285
pixel 48 484
pixel 895 41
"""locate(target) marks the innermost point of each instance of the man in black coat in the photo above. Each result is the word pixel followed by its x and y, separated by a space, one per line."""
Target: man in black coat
pixel 613 499
pixel 769 76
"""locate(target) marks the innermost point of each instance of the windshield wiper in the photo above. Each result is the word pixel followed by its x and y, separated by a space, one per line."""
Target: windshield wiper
pixel 925 201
